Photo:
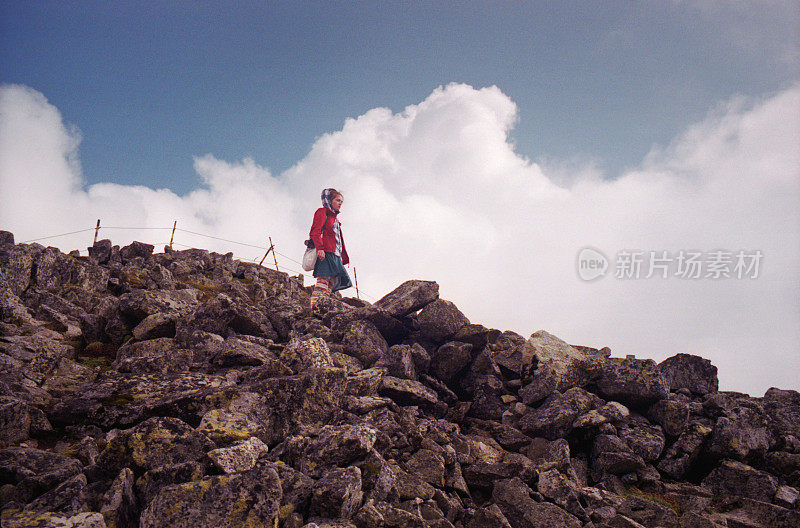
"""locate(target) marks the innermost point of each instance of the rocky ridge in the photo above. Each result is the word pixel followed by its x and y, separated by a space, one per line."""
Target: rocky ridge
pixel 186 388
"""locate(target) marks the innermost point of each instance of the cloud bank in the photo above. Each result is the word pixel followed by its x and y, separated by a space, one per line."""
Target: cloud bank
pixel 438 192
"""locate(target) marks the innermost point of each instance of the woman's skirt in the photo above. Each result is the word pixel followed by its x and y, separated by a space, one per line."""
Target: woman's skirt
pixel 332 268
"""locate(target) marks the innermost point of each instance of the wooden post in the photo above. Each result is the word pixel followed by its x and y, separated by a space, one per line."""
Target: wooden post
pixel 96 229
pixel 265 255
pixel 172 236
pixel 273 253
pixel 355 274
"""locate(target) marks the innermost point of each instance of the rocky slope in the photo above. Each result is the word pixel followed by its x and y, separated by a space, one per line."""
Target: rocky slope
pixel 190 389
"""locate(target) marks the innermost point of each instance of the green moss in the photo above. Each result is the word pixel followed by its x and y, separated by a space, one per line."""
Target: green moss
pixel 102 363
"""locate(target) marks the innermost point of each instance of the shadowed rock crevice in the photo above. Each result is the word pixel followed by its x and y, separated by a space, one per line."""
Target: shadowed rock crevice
pixel 186 388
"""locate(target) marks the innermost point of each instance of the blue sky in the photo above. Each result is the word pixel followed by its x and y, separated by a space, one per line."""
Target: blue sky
pixel 151 85
pixel 481 145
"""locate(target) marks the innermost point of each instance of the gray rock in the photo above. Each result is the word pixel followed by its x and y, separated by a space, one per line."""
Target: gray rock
pixel 783 406
pixel 554 418
pixel 559 366
pixel 308 352
pixel 514 499
pixel 671 413
pixel 428 465
pixel 633 382
pixel 450 359
pixel 409 297
pixel 648 513
pixel 363 341
pixel 250 498
pixel 136 249
pixel 612 455
pixel 160 356
pixel 338 494
pixel 399 362
pixel 119 506
pixel 155 442
pixel 407 392
pixel 685 371
pixel 682 455
pixel 735 478
pixel 6 238
pixel 155 326
pixel 564 492
pixel 34 471
pixel 241 456
pixel 742 429
pixel 440 320
pixel 489 517
pixel 15 421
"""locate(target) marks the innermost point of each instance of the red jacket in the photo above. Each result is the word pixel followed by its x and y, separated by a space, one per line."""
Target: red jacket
pixel 325 238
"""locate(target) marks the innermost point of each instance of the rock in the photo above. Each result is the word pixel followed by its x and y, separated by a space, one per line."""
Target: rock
pixel 484 474
pixel 633 382
pixel 241 456
pixel 399 362
pixel 363 341
pixel 562 491
pixel 735 478
pixel 336 445
pixel 34 471
pixel 671 413
pixel 155 442
pixel 302 354
pixel 685 371
pixel 250 498
pixel 15 421
pixel 407 392
pixel 149 484
pixel 786 496
pixel 6 238
pixel 100 251
pixel 139 304
pixel 21 519
pixel 155 326
pixel 440 320
pixel 409 297
pixel 68 498
pixel 427 465
pixel 644 440
pixel 559 366
pixel 681 456
pixel 748 513
pixel 490 517
pixel 611 454
pixel 450 359
pixel 514 499
pixel 742 429
pixel 159 356
pixel 119 507
pixel 648 513
pixel 556 415
pixel 546 454
pixel 338 494
pixel 783 406
pixel 136 249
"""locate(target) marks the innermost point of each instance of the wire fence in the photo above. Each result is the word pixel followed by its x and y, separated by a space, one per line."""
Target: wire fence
pixel 280 266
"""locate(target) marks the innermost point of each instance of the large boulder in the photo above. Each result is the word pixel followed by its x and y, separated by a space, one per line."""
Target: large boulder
pixel 250 498
pixel 634 382
pixel 363 341
pixel 155 442
pixel 409 297
pixel 742 430
pixel 440 320
pixel 783 406
pixel 338 494
pixel 735 478
pixel 34 471
pixel 685 371
pixel 559 366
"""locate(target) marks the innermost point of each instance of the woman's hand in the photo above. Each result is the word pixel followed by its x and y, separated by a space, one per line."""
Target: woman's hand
pixel 320 254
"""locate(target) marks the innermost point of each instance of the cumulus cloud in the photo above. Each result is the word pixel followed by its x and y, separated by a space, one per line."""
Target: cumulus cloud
pixel 438 192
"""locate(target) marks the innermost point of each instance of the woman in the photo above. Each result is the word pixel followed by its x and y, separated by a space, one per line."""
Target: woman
pixel 326 233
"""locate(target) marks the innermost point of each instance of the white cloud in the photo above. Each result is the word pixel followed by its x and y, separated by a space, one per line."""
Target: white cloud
pixel 438 192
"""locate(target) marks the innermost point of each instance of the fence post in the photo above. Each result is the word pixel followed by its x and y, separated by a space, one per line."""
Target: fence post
pixel 355 274
pixel 272 247
pixel 265 255
pixel 172 236
pixel 96 229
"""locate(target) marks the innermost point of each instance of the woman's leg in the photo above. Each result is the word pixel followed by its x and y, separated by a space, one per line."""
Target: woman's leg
pixel 321 289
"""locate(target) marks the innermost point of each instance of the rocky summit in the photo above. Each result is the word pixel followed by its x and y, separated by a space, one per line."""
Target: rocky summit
pixel 189 389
